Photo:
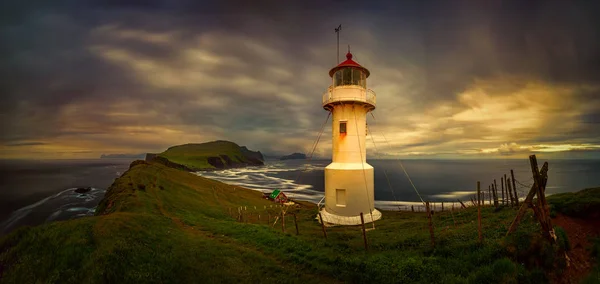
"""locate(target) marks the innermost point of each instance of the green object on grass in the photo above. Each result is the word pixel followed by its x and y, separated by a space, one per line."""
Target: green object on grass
pixel 274 194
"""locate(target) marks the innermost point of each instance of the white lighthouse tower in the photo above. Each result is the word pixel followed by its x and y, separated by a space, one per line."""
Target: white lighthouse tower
pixel 349 179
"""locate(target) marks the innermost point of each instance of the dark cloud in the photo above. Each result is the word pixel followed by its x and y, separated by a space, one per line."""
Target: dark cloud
pixel 74 68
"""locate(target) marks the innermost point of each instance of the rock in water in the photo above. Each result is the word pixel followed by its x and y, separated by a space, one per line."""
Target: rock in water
pixel 83 189
pixel 294 156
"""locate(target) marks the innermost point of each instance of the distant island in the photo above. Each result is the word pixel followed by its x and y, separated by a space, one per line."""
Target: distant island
pixel 122 156
pixel 294 156
pixel 213 155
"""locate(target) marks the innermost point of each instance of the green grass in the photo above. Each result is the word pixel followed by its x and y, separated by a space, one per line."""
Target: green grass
pixel 195 156
pixel 594 277
pixel 158 224
pixel 584 203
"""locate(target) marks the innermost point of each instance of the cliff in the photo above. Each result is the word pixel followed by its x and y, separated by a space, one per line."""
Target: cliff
pixel 207 156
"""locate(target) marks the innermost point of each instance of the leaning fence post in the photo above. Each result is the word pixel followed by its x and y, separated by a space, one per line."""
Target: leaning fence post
pixel 364 231
pixel 323 225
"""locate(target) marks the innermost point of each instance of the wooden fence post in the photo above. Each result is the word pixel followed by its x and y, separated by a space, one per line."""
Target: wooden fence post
pixel 296 223
pixel 529 198
pixel 479 215
pixel 490 194
pixel 364 231
pixel 442 206
pixel 544 211
pixel 512 175
pixel 412 207
pixel 430 223
pixel 283 222
pixel 478 194
pixel 495 191
pixel 502 188
pixel 509 189
pixel 323 225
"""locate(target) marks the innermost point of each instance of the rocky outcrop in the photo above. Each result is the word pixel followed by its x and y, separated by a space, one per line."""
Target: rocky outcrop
pixel 294 156
pixel 252 155
pixel 216 162
pixel 83 189
pixel 150 156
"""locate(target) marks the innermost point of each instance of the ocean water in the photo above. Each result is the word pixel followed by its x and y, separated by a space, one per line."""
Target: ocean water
pixel 35 192
pixel 433 180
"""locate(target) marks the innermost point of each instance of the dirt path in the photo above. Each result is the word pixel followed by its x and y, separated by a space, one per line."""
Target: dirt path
pixel 579 232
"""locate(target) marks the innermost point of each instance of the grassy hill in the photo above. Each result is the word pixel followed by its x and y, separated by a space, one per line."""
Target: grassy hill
pixel 210 155
pixel 158 224
pixel 584 203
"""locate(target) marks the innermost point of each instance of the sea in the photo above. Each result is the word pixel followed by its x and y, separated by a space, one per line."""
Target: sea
pixel 36 192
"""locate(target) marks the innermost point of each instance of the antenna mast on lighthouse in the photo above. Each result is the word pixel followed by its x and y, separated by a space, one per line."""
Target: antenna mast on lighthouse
pixel 337 31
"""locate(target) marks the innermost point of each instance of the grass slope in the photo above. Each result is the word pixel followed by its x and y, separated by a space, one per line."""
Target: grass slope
pixel 195 156
pixel 584 203
pixel 158 224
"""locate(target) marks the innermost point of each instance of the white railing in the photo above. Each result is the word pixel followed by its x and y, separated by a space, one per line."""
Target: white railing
pixel 321 204
pixel 363 95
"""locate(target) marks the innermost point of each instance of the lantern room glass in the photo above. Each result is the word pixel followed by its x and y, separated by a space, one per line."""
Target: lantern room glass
pixel 350 76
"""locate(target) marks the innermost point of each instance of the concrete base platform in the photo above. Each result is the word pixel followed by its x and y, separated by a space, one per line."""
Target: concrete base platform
pixel 334 220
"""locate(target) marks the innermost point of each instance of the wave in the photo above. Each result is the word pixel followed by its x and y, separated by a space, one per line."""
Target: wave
pixel 63 205
pixel 265 179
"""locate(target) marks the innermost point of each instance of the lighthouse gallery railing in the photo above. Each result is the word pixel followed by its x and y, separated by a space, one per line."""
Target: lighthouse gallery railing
pixel 365 95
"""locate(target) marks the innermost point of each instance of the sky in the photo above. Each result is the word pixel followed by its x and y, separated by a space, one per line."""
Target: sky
pixel 454 79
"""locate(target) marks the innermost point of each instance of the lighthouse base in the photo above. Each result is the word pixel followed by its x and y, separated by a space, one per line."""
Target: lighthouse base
pixel 331 219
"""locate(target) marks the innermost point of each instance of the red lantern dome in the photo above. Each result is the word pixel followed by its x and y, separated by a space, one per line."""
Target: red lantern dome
pixel 348 63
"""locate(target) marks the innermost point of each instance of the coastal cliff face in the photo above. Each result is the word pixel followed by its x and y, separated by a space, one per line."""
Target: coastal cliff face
pixel 207 156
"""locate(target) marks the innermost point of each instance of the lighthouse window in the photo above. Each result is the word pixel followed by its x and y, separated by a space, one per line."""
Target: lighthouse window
pixel 347 76
pixel 358 78
pixel 350 76
pixel 342 127
pixel 337 80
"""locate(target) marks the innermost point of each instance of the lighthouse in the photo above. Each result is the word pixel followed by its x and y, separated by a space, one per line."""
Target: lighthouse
pixel 349 185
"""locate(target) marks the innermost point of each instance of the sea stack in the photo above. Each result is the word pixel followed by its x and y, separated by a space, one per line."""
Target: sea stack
pixel 349 183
